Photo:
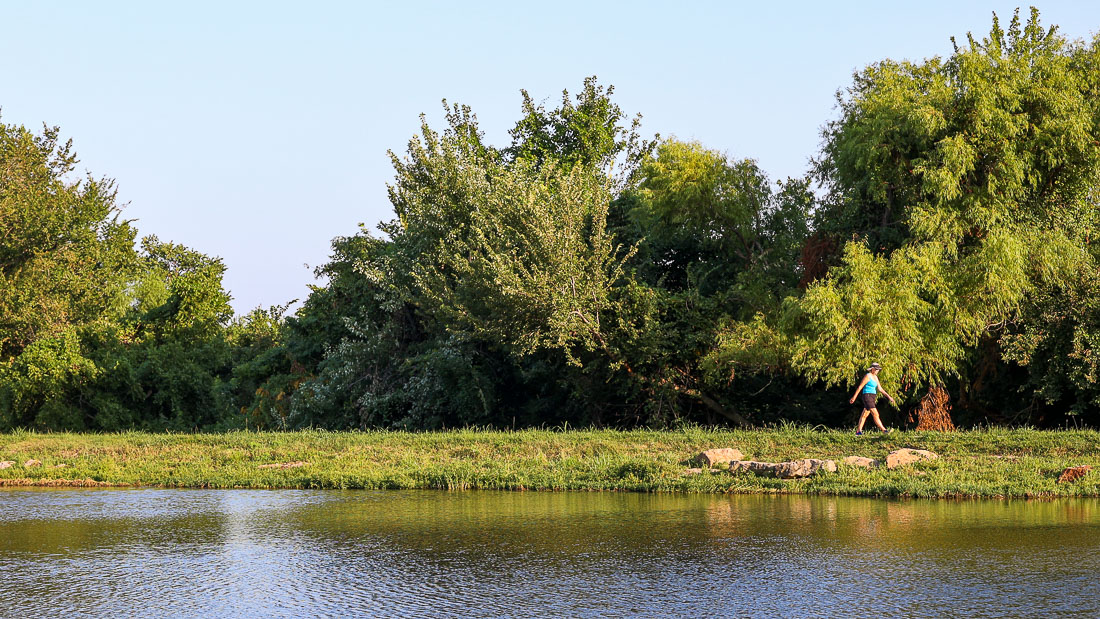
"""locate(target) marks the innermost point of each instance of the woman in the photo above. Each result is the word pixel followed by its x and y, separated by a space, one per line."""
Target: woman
pixel 868 389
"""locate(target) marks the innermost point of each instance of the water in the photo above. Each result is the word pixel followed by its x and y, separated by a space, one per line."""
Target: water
pixel 284 553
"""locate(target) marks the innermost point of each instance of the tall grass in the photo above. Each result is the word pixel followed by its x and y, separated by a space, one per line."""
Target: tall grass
pixel 989 462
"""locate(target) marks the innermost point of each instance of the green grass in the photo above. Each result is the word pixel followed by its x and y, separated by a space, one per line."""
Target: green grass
pixel 980 463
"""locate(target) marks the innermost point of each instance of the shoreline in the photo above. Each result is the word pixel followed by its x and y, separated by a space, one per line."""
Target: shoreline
pixel 986 463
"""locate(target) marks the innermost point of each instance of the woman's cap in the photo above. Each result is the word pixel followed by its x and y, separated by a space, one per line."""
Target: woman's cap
pixel 874 366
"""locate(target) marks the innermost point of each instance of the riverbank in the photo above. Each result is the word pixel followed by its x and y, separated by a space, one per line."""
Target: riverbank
pixel 982 463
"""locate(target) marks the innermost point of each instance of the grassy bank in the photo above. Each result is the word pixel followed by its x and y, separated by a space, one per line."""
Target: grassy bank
pixel 984 463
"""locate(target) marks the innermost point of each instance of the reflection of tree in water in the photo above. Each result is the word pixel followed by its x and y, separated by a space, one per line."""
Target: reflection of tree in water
pixel 218 552
pixel 513 524
pixel 510 523
pixel 919 521
pixel 94 521
pixel 924 541
pixel 103 551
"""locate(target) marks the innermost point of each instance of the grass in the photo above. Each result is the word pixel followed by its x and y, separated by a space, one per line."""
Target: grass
pixel 980 463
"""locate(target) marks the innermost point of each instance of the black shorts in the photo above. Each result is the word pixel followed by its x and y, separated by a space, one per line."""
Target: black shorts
pixel 870 400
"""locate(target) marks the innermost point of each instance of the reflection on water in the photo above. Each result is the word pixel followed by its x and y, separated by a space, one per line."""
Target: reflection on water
pixel 307 553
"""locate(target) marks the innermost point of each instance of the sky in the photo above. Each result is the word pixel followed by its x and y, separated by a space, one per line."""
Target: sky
pixel 259 131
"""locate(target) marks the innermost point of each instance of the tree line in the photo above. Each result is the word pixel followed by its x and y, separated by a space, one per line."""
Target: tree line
pixel 587 274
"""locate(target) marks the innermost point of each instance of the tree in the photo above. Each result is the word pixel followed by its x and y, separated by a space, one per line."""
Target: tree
pixel 95 335
pixel 715 224
pixel 958 187
pixel 496 293
pixel 64 254
pixel 586 132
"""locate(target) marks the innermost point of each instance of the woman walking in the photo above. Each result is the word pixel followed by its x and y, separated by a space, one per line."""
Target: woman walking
pixel 869 389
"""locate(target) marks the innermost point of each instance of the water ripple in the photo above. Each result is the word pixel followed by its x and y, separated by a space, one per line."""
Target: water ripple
pixel 192 553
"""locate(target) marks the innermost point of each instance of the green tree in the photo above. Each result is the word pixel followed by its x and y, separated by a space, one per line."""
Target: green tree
pixel 964 184
pixel 715 242
pixel 496 293
pixel 715 224
pixel 587 131
pixel 64 254
pixel 95 335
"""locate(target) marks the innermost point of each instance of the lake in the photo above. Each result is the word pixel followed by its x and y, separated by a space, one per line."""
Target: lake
pixel 293 553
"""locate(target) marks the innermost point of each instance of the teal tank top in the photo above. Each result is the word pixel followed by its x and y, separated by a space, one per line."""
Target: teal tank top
pixel 872 385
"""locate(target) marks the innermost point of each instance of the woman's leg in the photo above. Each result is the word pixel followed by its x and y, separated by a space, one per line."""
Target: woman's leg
pixel 862 419
pixel 875 418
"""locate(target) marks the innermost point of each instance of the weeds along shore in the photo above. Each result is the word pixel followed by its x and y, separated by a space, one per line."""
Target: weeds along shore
pixel 985 463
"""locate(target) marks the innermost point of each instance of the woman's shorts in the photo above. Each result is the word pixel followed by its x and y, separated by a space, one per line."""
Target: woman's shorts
pixel 870 400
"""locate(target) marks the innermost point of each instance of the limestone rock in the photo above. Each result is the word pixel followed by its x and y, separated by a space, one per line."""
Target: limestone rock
pixel 1073 473
pixel 711 457
pixel 751 466
pixel 903 457
pixel 7 464
pixel 866 463
pixel 804 468
pixel 32 463
pixel 784 470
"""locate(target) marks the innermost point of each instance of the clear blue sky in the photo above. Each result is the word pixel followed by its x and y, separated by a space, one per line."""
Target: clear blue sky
pixel 258 131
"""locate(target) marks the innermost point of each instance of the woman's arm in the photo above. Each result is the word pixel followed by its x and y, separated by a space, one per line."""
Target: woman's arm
pixel 866 377
pixel 883 391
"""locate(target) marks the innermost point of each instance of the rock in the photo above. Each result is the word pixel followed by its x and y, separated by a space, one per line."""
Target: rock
pixel 1073 473
pixel 766 469
pixel 903 457
pixel 7 464
pixel 866 463
pixel 283 465
pixel 689 472
pixel 804 468
pixel 60 466
pixel 711 457
pixel 32 463
pixel 784 470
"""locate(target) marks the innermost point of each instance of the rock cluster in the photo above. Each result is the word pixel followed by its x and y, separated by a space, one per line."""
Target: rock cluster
pixel 804 467
pixel 785 470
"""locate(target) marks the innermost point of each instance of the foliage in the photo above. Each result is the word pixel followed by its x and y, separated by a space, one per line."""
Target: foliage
pixel 581 274
pixel 965 185
pixel 95 335
pixel 714 224
pixel 64 253
pixel 586 132
pixel 1058 339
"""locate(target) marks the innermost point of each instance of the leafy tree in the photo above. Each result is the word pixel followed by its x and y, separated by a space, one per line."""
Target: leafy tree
pixel 964 184
pixel 93 334
pixel 1057 338
pixel 715 224
pixel 498 272
pixel 64 255
pixel 586 132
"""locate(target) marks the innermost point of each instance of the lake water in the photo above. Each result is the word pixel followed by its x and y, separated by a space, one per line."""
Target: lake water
pixel 216 553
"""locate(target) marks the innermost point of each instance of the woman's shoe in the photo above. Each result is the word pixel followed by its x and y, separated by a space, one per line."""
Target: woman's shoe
pixel 859 433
